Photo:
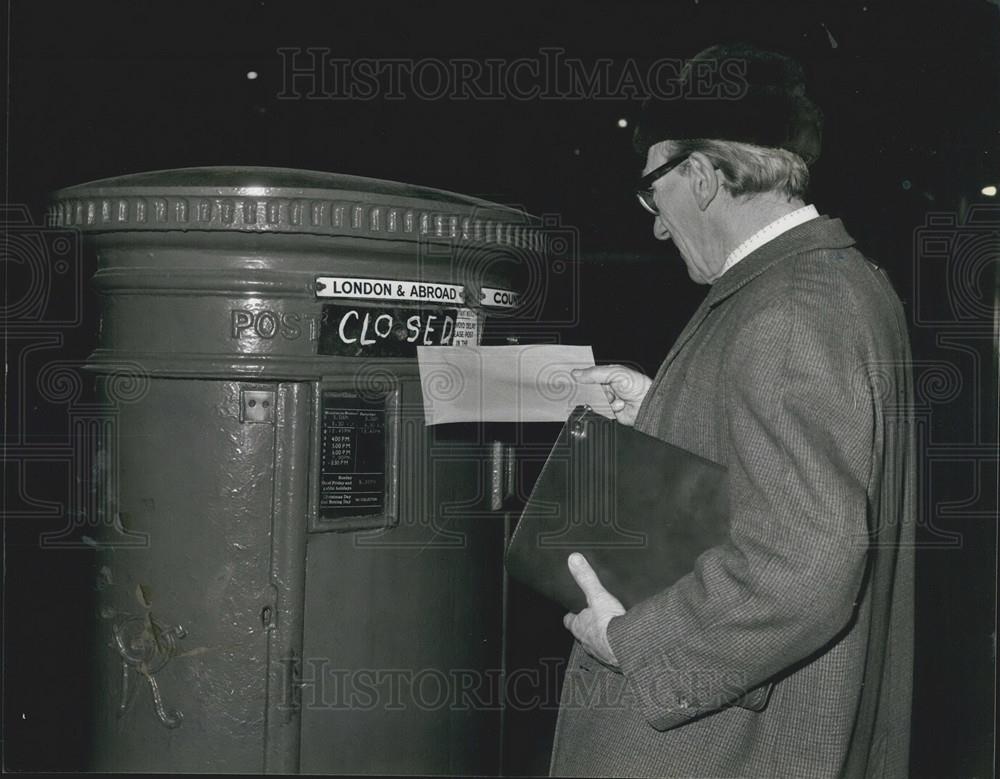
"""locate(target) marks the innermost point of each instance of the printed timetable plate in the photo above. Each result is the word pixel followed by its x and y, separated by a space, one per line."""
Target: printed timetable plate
pixel 352 478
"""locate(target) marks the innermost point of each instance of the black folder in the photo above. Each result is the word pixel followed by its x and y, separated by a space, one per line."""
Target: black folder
pixel 639 509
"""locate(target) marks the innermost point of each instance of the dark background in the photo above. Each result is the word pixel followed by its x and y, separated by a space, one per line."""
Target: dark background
pixel 911 97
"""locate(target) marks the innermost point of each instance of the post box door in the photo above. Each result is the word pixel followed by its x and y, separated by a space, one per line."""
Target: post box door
pixel 402 645
pixel 184 579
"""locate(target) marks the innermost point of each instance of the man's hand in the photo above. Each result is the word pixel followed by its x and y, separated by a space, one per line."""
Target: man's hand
pixel 624 387
pixel 590 626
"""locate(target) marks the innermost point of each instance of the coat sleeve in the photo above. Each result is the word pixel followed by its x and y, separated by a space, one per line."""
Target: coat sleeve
pixel 785 583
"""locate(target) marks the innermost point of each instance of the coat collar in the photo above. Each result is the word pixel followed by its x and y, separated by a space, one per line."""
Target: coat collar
pixel 820 233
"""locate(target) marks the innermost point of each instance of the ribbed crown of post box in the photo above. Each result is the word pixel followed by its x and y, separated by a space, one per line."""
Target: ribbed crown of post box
pixel 285 200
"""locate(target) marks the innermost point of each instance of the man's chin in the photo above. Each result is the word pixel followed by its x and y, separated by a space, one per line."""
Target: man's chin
pixel 697 276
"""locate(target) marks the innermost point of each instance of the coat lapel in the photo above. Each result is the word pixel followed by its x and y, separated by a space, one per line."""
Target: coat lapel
pixel 689 329
pixel 819 233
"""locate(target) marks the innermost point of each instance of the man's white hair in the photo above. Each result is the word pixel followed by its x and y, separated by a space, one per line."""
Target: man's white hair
pixel 751 170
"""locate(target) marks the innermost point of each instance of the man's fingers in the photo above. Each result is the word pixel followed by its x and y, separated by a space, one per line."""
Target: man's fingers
pixel 568 620
pixel 585 576
pixel 599 374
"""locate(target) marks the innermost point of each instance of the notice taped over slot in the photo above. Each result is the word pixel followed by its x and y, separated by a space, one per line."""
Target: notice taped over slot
pixel 357 331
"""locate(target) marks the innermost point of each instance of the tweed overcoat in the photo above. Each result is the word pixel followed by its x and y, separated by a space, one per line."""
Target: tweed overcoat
pixel 788 650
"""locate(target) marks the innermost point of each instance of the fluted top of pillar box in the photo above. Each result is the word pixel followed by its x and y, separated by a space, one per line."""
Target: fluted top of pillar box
pixel 285 200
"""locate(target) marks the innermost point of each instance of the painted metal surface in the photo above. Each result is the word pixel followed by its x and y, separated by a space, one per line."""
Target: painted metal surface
pixel 189 548
pixel 221 588
pixel 402 667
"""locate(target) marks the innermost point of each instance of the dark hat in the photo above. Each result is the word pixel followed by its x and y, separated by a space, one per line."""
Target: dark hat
pixel 735 92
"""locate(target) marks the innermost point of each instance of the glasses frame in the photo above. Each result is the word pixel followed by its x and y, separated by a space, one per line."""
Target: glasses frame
pixel 644 191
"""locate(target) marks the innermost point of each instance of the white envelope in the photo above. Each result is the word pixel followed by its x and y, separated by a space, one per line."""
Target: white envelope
pixel 529 383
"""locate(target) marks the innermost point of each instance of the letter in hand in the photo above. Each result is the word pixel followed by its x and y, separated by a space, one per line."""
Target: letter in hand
pixel 590 626
pixel 624 387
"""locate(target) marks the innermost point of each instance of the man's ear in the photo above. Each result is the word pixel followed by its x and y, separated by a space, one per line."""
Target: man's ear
pixel 703 179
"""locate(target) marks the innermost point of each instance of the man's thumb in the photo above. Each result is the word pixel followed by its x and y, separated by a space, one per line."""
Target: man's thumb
pixel 585 576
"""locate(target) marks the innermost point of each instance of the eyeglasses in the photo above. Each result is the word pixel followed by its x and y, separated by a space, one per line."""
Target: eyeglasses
pixel 645 189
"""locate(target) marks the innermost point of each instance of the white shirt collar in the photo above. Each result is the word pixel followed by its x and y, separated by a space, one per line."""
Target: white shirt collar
pixel 769 233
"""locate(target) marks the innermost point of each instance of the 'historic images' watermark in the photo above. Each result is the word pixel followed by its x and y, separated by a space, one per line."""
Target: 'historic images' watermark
pixel 315 73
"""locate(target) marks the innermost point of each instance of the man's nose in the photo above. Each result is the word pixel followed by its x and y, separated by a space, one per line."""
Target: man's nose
pixel 660 230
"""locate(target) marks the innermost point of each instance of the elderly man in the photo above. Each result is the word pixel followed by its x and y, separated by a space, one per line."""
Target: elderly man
pixel 787 651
